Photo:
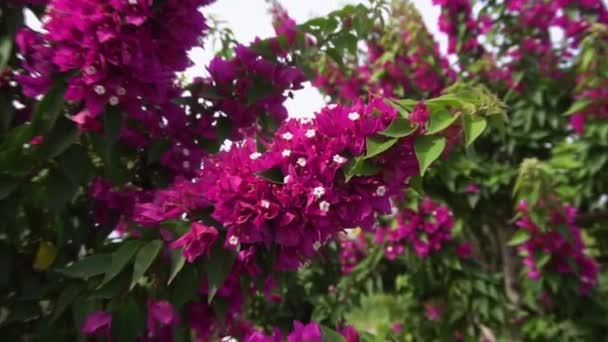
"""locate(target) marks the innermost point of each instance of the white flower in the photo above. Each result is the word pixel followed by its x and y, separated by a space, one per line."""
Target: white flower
pixel 324 206
pixel 186 164
pixel 301 162
pixel 286 153
pixel 354 116
pixel 286 179
pixel 265 204
pixel 113 100
pixel 132 2
pixel 318 192
pixel 255 155
pixel 381 190
pixel 90 70
pixel 120 91
pixel 186 152
pixel 310 133
pixel 316 245
pixel 99 89
pixel 339 159
pixel 233 241
pixel 287 136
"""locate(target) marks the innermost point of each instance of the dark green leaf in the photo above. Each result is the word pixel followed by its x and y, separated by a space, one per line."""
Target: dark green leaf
pixel 144 259
pixel 88 267
pixel 375 145
pixel 359 166
pixel 60 190
pixel 128 319
pixel 66 298
pixel 120 259
pixel 177 263
pixel 217 267
pixel 273 175
pixel 428 148
pixel 399 128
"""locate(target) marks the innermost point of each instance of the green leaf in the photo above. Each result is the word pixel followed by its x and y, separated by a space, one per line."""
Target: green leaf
pixel 543 260
pixel 177 263
pixel 48 109
pixel 374 146
pixel 66 298
pixel 7 186
pixel 6 47
pixel 185 286
pixel 217 267
pixel 519 237
pixel 128 319
pixel 273 175
pixel 359 167
pixel 120 259
pixel 428 148
pixel 59 139
pixel 144 259
pixel 88 267
pixel 440 120
pixel 330 335
pixel 399 128
pixel 473 127
pixel 60 190
pixel 578 106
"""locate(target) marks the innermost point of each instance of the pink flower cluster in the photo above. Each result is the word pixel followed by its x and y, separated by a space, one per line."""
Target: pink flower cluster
pixel 352 250
pixel 597 107
pixel 310 201
pixel 414 69
pixel 125 55
pixel 310 332
pixel 455 13
pixel 247 87
pixel 426 230
pixel 564 247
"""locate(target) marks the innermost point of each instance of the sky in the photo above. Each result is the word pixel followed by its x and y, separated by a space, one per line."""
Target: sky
pixel 250 19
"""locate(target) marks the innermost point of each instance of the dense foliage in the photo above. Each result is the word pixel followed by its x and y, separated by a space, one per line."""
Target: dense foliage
pixel 436 197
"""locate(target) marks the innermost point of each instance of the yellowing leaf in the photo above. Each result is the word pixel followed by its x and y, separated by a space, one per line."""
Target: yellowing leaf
pixel 45 256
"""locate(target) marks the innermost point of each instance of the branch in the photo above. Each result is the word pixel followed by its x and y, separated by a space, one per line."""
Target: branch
pixel 585 219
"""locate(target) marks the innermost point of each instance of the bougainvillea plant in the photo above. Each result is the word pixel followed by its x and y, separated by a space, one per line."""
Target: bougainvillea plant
pixel 436 197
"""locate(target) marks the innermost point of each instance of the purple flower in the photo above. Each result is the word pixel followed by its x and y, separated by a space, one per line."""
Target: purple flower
pixel 197 241
pixel 420 115
pixel 97 322
pixel 310 332
pixel 161 316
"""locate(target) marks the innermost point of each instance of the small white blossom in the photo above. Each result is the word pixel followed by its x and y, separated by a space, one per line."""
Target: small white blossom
pixel 286 153
pixel 316 245
pixel 132 2
pixel 265 204
pixel 301 162
pixel 286 178
pixel 318 192
pixel 287 136
pixel 186 152
pixel 90 70
pixel 339 159
pixel 255 155
pixel 233 241
pixel 99 89
pixel 120 91
pixel 186 164
pixel 381 190
pixel 310 133
pixel 113 100
pixel 354 116
pixel 324 206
